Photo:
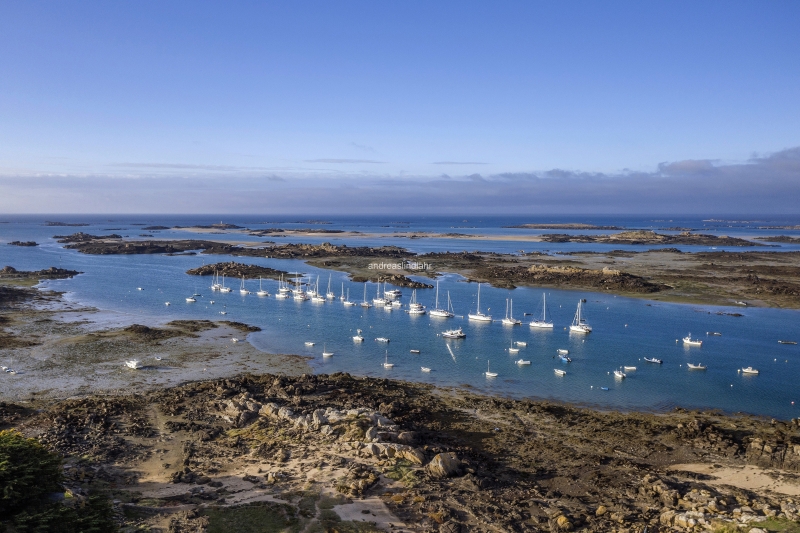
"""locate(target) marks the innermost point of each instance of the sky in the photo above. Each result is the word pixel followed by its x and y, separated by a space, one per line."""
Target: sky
pixel 449 107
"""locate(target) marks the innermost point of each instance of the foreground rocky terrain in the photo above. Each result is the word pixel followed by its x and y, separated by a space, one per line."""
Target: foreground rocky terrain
pixel 339 453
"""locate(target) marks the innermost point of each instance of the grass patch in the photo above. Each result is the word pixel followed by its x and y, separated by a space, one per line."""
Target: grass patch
pixel 255 518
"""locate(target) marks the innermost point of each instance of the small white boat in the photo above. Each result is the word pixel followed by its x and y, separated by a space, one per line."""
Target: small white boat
pixel 299 295
pixel 521 343
pixel 386 363
pixel 509 320
pixel 698 366
pixel 425 369
pixel 261 291
pixel 392 294
pixel 454 334
pixel 346 301
pixel 318 298
pixel 211 302
pixel 358 337
pixel 619 374
pixel 139 289
pixel 749 370
pixel 542 323
pixel 309 343
pixel 579 324
pixel 381 339
pixel 223 312
pixel 242 289
pixel 561 351
pixel 325 352
pixel 342 296
pixel 689 341
pixel 133 363
pixel 477 315
pixel 222 287
pixel 522 362
pixel 628 368
pixel 191 299
pixel 379 300
pixel 512 349
pixel 560 372
pixel 489 373
pixel 414 351
pixel 653 360
pixel 167 303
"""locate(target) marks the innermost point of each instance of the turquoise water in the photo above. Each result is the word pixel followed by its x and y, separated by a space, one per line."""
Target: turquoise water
pixel 625 331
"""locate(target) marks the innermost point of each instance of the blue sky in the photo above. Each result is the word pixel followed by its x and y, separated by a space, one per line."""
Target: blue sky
pixel 349 98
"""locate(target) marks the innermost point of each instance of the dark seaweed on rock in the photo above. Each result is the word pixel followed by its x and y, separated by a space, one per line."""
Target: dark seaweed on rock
pixel 237 270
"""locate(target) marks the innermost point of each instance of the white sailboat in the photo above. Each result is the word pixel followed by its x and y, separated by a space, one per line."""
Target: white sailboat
pixel 317 296
pixel 325 352
pixel 223 288
pixel 342 296
pixel 215 286
pixel 365 303
pixel 358 337
pixel 386 363
pixel 489 373
pixel 579 324
pixel 513 349
pixel 477 315
pixel 543 322
pixel 443 313
pixel 261 291
pixel 283 290
pixel 329 293
pixel 191 299
pixel 347 301
pixel 379 300
pixel 242 289
pixel 415 308
pixel 509 320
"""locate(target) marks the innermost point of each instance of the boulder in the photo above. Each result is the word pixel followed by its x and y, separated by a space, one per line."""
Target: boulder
pixel 443 465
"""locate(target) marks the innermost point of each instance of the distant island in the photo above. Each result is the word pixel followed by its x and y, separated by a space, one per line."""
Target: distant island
pixel 573 225
pixel 24 243
pixel 64 224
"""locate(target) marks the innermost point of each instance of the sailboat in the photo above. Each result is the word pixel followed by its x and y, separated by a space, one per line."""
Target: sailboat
pixel 509 320
pixel 489 373
pixel 223 288
pixel 579 324
pixel 365 303
pixel 261 291
pixel 480 317
pixel 543 322
pixel 283 290
pixel 342 296
pixel 379 300
pixel 347 301
pixel 215 286
pixel 415 308
pixel 325 352
pixel 386 363
pixel 311 290
pixel 358 337
pixel 444 313
pixel 513 349
pixel 317 296
pixel 329 293
pixel 299 293
pixel 242 290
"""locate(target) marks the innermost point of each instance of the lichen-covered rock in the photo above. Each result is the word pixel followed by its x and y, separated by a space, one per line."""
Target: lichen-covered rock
pixel 443 465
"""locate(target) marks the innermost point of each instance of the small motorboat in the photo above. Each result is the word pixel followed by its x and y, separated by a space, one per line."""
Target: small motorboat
pixel 628 368
pixel 653 360
pixel 521 343
pixel 381 339
pixel 139 289
pixel 603 388
pixel 309 343
pixel 166 303
pixel 414 351
pixel 787 342
pixel 714 333
pixel 522 362
pixel 749 370
pixel 454 334
pixel 698 366
pixel 689 341
pixel 191 299
pixel 425 369
pixel 358 337
pixel 565 359
pixel 560 372
pixel 619 374
pixel 562 352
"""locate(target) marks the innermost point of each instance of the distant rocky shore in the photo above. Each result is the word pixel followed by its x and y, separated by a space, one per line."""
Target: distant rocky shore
pixel 651 237
pixel 23 243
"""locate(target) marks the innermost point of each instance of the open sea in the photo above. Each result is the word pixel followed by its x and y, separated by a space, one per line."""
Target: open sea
pixel 625 330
